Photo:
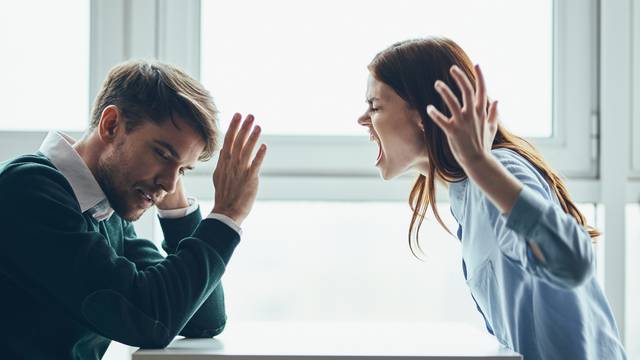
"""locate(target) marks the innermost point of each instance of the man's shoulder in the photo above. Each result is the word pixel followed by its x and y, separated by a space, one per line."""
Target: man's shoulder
pixel 27 171
pixel 37 159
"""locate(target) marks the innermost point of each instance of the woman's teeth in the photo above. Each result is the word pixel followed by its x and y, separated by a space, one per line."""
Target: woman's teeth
pixel 374 138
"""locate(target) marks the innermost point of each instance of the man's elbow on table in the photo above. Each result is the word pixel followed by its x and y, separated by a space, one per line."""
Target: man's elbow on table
pixel 190 332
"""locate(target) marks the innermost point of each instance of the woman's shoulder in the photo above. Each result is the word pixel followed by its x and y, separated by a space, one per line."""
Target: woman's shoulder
pixel 523 170
pixel 517 164
pixel 464 191
pixel 509 156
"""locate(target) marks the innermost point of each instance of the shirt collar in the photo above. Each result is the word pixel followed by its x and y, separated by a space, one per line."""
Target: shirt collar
pixel 58 147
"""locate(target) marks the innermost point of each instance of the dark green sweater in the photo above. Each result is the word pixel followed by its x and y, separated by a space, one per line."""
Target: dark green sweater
pixel 69 284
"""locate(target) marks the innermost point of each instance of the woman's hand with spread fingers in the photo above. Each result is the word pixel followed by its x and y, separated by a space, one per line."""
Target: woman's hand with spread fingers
pixel 472 127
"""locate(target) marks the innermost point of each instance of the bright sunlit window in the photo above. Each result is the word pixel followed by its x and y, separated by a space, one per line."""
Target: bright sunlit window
pixel 346 261
pixel 305 74
pixel 343 261
pixel 45 64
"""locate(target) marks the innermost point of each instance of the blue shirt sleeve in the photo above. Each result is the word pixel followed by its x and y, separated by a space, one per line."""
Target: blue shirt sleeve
pixel 537 218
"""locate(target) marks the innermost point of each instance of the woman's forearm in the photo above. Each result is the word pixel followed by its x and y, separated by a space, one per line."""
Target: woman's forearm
pixel 500 186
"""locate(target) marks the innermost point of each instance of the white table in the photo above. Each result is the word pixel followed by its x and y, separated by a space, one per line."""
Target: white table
pixel 331 341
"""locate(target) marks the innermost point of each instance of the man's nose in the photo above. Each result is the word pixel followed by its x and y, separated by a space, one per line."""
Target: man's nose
pixel 168 181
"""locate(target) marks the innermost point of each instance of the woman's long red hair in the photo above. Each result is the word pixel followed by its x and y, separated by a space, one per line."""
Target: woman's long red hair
pixel 411 68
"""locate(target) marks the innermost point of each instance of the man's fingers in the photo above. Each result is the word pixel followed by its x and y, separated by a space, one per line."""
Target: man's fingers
pixel 464 84
pixel 256 164
pixel 449 98
pixel 231 134
pixel 250 145
pixel 241 137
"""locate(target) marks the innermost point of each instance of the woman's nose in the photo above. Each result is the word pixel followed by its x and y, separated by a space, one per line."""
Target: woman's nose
pixel 364 120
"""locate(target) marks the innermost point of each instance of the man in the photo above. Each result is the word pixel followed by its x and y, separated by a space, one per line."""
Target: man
pixel 73 274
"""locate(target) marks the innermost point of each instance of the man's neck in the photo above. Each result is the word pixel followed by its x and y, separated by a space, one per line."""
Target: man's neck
pixel 87 148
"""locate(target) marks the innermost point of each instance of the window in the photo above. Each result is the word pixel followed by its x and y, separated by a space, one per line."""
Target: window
pixel 632 287
pixel 306 74
pixel 45 65
pixel 304 77
pixel 343 261
pixel 305 81
pixel 346 261
pixel 635 103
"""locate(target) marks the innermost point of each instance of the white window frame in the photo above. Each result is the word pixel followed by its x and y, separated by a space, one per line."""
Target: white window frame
pixel 635 104
pixel 631 289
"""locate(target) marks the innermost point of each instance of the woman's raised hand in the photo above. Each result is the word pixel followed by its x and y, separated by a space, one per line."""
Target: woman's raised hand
pixel 472 127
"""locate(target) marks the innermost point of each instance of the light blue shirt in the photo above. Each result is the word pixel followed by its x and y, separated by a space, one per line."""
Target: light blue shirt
pixel 550 310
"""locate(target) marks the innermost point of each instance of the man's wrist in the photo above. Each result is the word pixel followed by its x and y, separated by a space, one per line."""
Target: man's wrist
pixel 233 215
pixel 170 203
pixel 226 220
pixel 180 212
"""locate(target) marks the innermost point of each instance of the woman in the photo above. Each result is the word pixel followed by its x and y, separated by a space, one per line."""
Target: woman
pixel 527 253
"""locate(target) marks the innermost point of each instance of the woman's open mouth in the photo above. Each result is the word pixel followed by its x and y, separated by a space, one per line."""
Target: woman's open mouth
pixel 379 152
pixel 374 138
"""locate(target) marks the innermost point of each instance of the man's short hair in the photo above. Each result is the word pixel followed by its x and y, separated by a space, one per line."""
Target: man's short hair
pixel 156 92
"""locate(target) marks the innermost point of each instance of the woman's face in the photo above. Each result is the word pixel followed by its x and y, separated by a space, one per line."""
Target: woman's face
pixel 396 129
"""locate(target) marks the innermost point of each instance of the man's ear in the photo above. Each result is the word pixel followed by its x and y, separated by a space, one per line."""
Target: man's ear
pixel 111 123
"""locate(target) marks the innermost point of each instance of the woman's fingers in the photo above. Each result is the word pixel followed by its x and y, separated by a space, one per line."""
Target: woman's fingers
pixel 449 98
pixel 465 86
pixel 493 113
pixel 481 90
pixel 442 121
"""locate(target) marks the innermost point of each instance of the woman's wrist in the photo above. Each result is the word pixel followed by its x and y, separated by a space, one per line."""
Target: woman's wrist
pixel 500 186
pixel 479 164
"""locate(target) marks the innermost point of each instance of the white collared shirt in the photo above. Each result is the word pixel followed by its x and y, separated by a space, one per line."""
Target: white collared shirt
pixel 58 147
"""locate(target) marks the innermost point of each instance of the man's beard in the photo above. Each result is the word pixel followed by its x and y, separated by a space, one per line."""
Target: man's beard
pixel 116 193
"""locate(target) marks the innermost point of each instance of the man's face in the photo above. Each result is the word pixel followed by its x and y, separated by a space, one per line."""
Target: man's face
pixel 139 168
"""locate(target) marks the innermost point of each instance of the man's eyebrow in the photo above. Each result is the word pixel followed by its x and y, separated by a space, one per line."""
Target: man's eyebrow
pixel 174 153
pixel 372 99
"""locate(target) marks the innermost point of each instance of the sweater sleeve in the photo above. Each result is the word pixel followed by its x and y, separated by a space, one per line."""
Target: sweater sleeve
pixel 537 218
pixel 66 263
pixel 210 318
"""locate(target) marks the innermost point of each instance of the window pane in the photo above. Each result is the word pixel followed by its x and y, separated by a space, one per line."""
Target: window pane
pixel 632 285
pixel 337 261
pixel 300 66
pixel 594 214
pixel 346 261
pixel 45 64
